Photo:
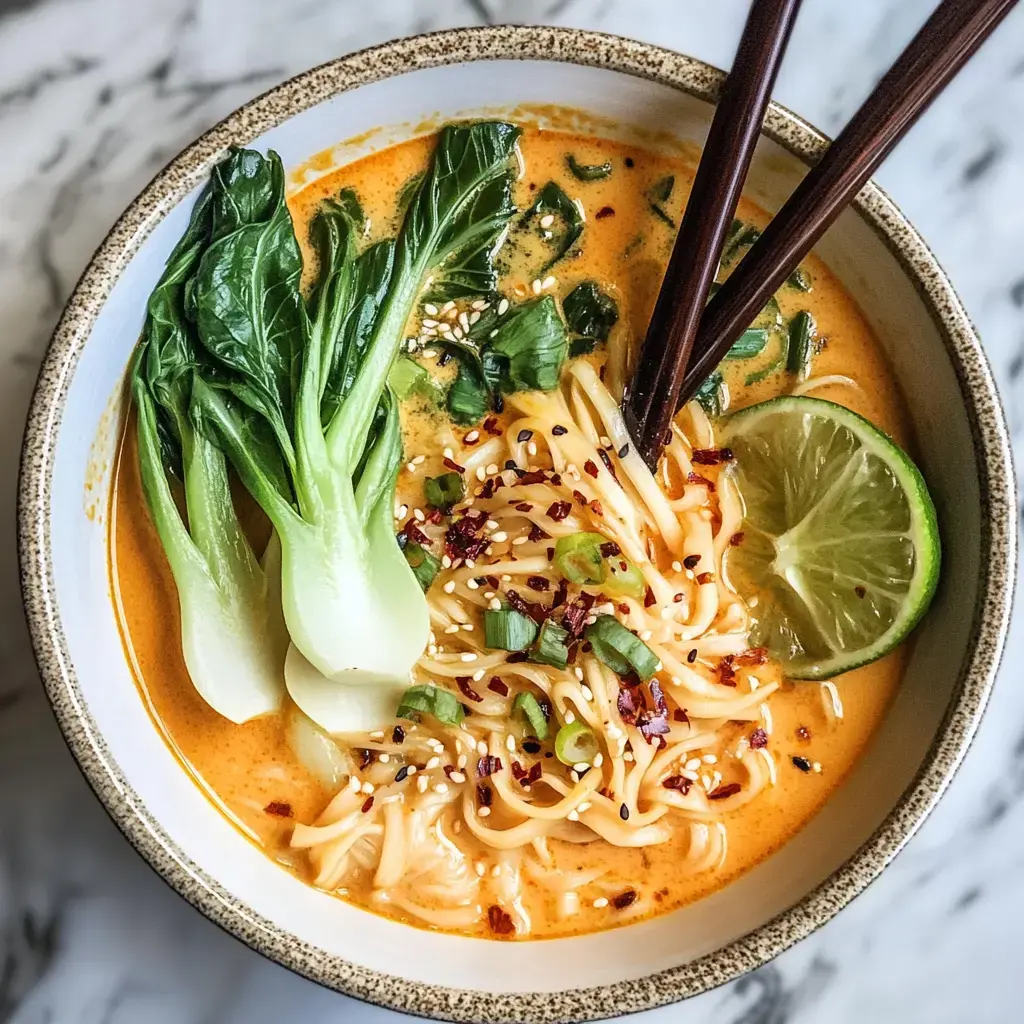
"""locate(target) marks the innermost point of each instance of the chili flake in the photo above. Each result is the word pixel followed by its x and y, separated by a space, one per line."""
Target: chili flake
pixel 279 809
pixel 499 920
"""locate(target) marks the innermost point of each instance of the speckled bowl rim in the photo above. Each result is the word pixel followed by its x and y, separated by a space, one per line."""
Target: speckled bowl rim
pixel 214 899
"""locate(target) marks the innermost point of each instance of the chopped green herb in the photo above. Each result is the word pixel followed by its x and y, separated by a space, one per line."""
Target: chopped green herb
pixel 576 743
pixel 552 200
pixel 801 344
pixel 590 314
pixel 444 491
pixel 660 192
pixel 800 280
pixel 424 565
pixel 550 648
pixel 430 700
pixel 749 344
pixel 622 651
pixel 529 707
pixel 711 395
pixel 588 172
pixel 506 629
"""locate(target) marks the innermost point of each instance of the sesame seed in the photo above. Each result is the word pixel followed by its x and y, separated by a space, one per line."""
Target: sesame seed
pixel 646 635
pixel 447 306
pixel 411 467
pixel 464 321
pixel 510 742
pixel 457 777
pixel 503 307
pixel 418 515
pixel 601 902
pixel 457 333
pixel 377 734
pixel 580 766
pixel 402 511
pixel 548 282
pixel 573 815
pixel 627 756
pixel 536 286
pixel 441 787
pixel 479 304
pixel 693 764
pixel 520 540
pixel 677 566
pixel 705 781
pixel 531 448
pixel 429 323
pixel 578 672
pixel 481 748
pixel 367 788
pixel 605 441
pixel 449 588
pixel 472 437
pixel 492 468
pixel 469 656
pixel 446 562
pixel 479 673
pixel 692 776
pixel 488 594
pixel 569 718
pixel 547 220
pixel 585 806
pixel 432 763
pixel 419 460
pixel 461 763
pixel 484 812
pixel 481 474
pixel 614 732
pixel 494 605
pixel 710 759
pixel 422 783
pixel 353 784
pixel 412 770
pixel 481 868
pixel 505 578
pixel 430 308
pixel 491 524
pixel 498 537
pixel 598 760
pixel 472 584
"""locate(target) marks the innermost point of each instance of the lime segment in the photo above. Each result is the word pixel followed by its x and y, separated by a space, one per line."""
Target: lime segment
pixel 840 553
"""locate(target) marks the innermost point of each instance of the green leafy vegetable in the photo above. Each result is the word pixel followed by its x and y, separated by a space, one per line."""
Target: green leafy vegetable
pixel 659 194
pixel 232 651
pixel 588 172
pixel 550 647
pixel 749 344
pixel 711 395
pixel 529 708
pixel 801 344
pixel 425 566
pixel 430 700
pixel 444 491
pixel 576 743
pixel 622 651
pixel 408 378
pixel 590 315
pixel 568 213
pixel 508 630
pixel 800 280
pixel 741 236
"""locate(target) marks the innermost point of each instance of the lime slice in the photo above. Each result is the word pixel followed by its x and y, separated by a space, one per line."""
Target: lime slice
pixel 840 551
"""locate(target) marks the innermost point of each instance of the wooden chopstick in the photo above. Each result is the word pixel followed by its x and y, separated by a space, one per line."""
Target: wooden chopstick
pixel 945 43
pixel 723 166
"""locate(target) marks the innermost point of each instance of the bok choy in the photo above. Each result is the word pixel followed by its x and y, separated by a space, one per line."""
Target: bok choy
pixel 232 650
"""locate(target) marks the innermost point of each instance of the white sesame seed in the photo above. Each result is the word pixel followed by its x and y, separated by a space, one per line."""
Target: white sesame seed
pixel 441 787
pixel 481 473
pixel 481 867
pixel 481 748
pixel 430 308
pixel 573 815
pixel 412 770
pixel 510 742
pixel 627 756
pixel 458 334
pixel 710 759
pixel 446 562
pixel 432 763
pixel 614 732
pixel 464 321
pixel 453 628
pixel 693 764
pixel 484 812
pixel 419 460
pixel 429 323
pixel 478 674
pixel 581 766
pixel 520 540
pixel 646 635
pixel 461 763
pixel 495 604
pixel 692 776
pixel 488 594
pixel 447 306
pixel 569 718
pixel 492 468
pixel 402 511
pixel 677 566
pixel 472 584
pixel 548 282
pixel 505 578
pixel 536 286
pixel 500 536
pixel 601 902
pixel 354 783
pixel 578 672
pixel 503 307
pixel 478 304
pixel 457 777
pixel 585 806
pixel 474 317
pixel 422 783
pixel 598 760
pixel 469 656
pixel 547 220
pixel 491 524
pixel 472 437
pixel 418 515
pixel 432 649
pixel 705 781
pixel 411 467
pixel 377 734
pixel 816 767
pixel 367 788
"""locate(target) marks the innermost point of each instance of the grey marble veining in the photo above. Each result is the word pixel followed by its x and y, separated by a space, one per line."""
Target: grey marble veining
pixel 95 96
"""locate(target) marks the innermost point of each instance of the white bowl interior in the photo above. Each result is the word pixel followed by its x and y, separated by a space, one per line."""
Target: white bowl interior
pixel 196 828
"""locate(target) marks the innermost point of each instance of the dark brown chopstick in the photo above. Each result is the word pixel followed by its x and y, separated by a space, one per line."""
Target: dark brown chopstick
pixel 945 43
pixel 654 391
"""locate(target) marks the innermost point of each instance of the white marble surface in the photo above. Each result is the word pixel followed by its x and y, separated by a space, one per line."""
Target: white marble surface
pixel 95 95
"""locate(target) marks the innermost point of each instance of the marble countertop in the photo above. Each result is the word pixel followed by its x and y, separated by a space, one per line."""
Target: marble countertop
pixel 95 96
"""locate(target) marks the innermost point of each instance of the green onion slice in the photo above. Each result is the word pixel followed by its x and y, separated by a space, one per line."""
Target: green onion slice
pixel 550 648
pixel 508 630
pixel 428 699
pixel 801 344
pixel 423 564
pixel 529 707
pixel 622 651
pixel 575 744
pixel 444 491
pixel 578 557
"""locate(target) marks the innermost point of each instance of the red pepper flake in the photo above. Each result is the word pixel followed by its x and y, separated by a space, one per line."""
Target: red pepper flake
pixel 627 706
pixel 680 715
pixel 759 739
pixel 492 581
pixel 801 762
pixel 498 686
pixel 609 549
pixel 576 613
pixel 556 480
pixel 803 733
pixel 537 583
pixel 754 656
pixel 487 765
pixel 696 478
pixel 596 508
pixel 499 920
pixel 677 782
pixel 414 533
pixel 491 426
pixel 559 510
pixel 535 476
pixel 605 211
pixel 279 809
pixel 623 608
pixel 398 734
pixel 590 469
pixel 562 592
pixel 523 506
pixel 367 804
pixel 712 456
pixel 677 598
pixel 518 771
pixel 691 561
pixel 466 690
pixel 536 533
pixel 558 430
pixel 580 497
pixel 607 462
pixel 452 465
pixel 550 554
pixel 435 516
pixel 726 673
pixel 484 795
pixel 722 792
pixel 859 590
pixel 706 577
pixel 535 772
pixel 488 489
pixel 737 539
pixel 624 899
pixel 649 598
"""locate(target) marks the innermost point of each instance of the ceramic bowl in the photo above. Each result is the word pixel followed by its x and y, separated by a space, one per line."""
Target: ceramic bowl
pixel 622 88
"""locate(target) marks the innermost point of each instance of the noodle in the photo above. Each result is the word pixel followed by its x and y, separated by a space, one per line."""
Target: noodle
pixel 467 813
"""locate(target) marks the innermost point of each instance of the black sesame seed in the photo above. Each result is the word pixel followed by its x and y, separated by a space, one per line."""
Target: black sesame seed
pixel 692 656
pixel 398 735
pixel 402 773
pixel 690 561
pixel 558 430
pixel 802 763
pixel 623 812
pixel 511 464
pixel 623 451
pixel 524 435
pixel 629 161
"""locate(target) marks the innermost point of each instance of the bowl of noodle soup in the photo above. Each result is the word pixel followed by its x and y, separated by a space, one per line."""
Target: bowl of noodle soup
pixel 663 808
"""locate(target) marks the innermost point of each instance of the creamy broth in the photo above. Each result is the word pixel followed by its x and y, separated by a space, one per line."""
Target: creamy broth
pixel 249 771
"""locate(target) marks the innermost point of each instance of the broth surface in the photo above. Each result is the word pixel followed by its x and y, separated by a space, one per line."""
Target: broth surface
pixel 249 771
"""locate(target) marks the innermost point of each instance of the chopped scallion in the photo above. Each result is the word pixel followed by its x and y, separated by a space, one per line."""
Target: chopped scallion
pixel 578 558
pixel 622 651
pixel 550 648
pixel 444 491
pixel 588 172
pixel 529 707
pixel 430 700
pixel 576 744
pixel 423 564
pixel 801 344
pixel 623 577
pixel 505 629
pixel 749 344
